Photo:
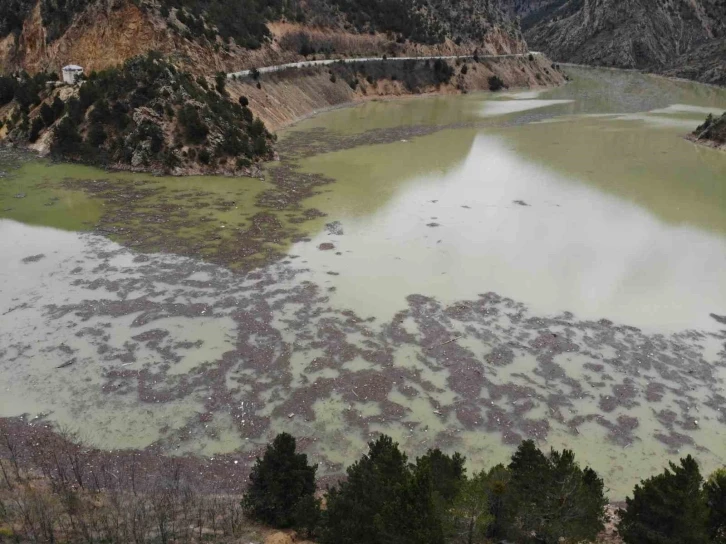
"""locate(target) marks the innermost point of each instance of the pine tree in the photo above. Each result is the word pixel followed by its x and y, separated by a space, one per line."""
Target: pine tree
pixel 448 475
pixel 497 486
pixel 715 489
pixel 278 482
pixel 669 508
pixel 552 498
pixel 471 510
pixel 417 520
pixel 447 472
pixel 382 501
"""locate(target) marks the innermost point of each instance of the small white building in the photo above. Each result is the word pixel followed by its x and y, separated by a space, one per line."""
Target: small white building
pixel 71 73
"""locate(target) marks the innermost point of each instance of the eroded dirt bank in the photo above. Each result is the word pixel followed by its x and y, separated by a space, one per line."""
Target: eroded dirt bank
pixel 281 98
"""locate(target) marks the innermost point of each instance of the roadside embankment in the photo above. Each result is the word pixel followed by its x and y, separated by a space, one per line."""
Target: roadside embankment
pixel 283 97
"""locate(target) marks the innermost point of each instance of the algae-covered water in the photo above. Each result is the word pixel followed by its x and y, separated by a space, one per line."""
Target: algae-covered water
pixel 461 272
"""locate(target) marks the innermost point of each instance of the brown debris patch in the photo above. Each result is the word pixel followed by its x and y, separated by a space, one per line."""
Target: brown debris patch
pixel 32 259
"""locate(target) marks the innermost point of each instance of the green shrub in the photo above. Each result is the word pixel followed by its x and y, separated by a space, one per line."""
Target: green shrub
pixel 66 139
pixel 35 128
pixel 204 156
pixel 194 128
pixel 96 135
pixel 74 110
pixel 221 82
pixel 495 83
pixel 8 85
pixel 47 114
pixel 442 71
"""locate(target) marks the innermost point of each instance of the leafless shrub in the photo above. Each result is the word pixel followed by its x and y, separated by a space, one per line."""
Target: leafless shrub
pixel 58 489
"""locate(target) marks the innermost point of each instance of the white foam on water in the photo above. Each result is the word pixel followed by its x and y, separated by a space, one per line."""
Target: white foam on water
pixel 503 107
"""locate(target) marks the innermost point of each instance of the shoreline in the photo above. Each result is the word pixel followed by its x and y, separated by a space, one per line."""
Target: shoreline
pixel 395 98
pixel 644 72
pixel 283 98
pixel 706 143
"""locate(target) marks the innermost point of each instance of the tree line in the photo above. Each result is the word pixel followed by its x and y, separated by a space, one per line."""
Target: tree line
pixel 537 497
pixel 55 488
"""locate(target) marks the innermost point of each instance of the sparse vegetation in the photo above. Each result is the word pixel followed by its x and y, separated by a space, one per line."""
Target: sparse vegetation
pixel 141 114
pixel 415 75
pixel 244 22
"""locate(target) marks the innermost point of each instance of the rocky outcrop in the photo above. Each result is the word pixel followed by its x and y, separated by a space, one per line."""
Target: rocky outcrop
pixel 685 38
pixel 712 132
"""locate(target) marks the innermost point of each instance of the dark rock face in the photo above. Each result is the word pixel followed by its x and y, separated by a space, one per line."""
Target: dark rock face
pixel 685 38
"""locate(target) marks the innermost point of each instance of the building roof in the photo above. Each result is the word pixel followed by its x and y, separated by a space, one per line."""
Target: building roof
pixel 72 68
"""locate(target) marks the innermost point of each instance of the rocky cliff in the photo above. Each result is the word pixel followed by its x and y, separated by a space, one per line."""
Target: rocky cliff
pixel 684 38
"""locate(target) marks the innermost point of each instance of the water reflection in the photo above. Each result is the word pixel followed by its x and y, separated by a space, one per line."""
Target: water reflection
pixel 499 222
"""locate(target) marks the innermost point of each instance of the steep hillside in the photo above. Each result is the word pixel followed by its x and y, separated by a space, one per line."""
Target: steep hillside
pixel 213 35
pixel 146 115
pixel 286 96
pixel 679 37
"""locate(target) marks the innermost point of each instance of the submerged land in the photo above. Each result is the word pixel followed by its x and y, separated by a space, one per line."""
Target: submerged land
pixel 222 311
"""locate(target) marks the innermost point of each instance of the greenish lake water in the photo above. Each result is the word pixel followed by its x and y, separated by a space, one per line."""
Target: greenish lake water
pixel 461 272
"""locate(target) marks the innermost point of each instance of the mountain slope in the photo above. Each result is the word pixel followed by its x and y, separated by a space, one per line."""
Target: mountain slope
pixel 678 37
pixel 145 115
pixel 207 36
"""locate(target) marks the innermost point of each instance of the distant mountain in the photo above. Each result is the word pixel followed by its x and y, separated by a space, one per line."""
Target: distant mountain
pixel 684 38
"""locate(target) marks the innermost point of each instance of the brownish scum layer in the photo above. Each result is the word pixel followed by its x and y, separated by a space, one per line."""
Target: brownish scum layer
pixel 474 342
